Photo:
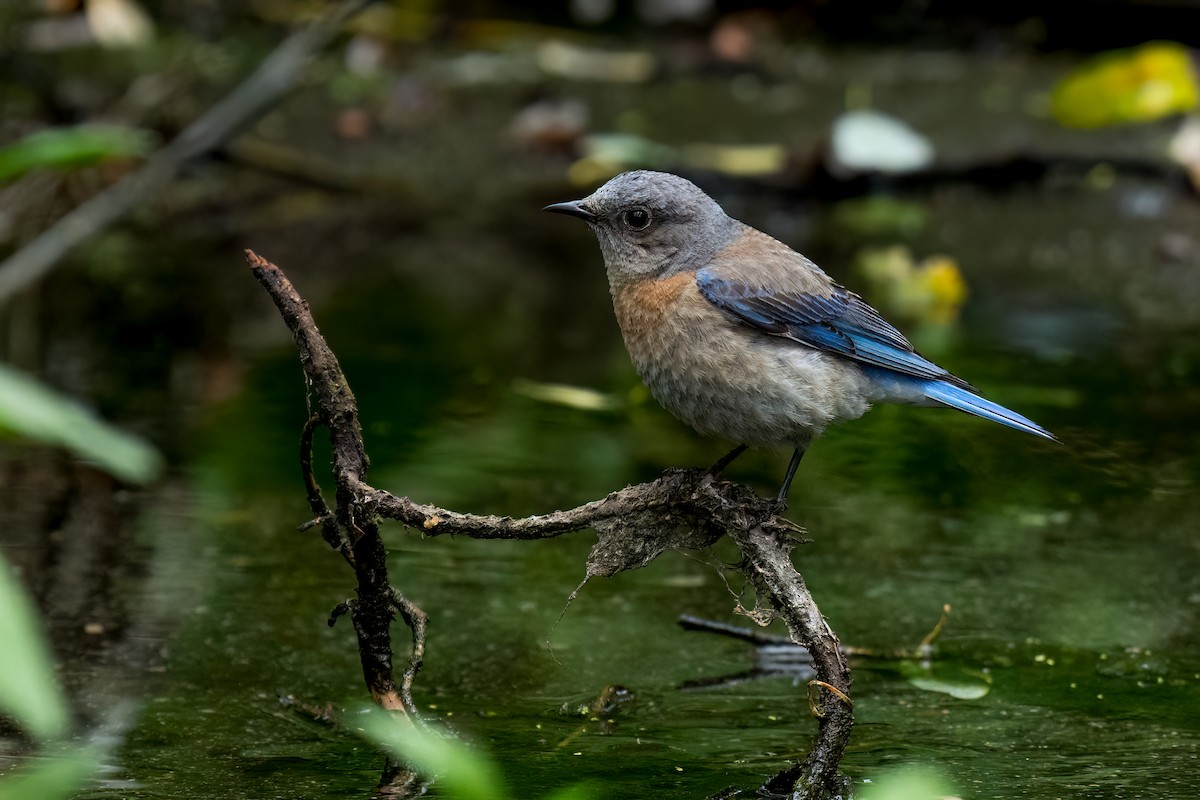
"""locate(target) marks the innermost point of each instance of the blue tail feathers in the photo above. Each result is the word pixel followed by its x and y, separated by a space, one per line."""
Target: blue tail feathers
pixel 965 400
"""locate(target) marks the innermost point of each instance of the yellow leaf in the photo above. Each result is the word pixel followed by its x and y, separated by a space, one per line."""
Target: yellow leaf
pixel 1142 84
pixel 945 286
pixel 749 160
pixel 932 290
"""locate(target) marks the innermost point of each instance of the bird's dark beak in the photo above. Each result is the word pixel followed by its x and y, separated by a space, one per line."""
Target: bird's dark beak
pixel 574 208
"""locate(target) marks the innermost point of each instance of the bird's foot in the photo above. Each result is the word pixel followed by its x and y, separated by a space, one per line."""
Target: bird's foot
pixel 778 506
pixel 716 469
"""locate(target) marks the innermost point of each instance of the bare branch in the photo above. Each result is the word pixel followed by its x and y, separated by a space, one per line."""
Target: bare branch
pixel 681 509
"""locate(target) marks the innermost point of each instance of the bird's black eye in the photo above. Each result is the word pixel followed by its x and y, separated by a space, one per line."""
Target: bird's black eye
pixel 638 218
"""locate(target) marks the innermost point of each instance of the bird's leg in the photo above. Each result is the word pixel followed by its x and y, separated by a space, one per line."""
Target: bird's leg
pixel 781 499
pixel 724 461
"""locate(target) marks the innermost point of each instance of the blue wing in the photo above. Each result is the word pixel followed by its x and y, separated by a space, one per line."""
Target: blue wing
pixel 839 322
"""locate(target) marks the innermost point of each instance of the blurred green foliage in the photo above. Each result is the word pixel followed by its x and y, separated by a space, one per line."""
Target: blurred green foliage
pixel 908 783
pixel 72 148
pixel 878 216
pixel 30 697
pixel 28 692
pixel 32 411
pixel 50 779
pixel 462 773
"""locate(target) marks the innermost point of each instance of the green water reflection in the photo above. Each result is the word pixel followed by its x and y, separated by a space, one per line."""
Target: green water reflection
pixel 1072 571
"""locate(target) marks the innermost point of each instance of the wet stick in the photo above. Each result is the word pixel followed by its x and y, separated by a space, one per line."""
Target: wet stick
pixel 682 509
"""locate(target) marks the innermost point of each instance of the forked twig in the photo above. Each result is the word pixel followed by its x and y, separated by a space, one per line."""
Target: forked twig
pixel 681 509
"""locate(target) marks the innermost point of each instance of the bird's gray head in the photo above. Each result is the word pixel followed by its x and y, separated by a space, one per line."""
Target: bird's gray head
pixel 652 224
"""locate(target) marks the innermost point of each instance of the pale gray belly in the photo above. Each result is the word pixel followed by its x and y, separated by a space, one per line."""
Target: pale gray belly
pixel 752 388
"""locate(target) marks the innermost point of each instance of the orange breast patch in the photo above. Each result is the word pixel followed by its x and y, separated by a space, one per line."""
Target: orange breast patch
pixel 641 306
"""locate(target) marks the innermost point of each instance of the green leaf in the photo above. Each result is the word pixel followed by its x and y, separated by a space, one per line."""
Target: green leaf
pixel 28 691
pixel 462 773
pixel 560 394
pixel 907 783
pixel 32 411
pixel 49 778
pixel 961 682
pixel 72 148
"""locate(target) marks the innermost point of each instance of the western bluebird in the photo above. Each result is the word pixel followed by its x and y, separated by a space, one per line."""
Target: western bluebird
pixel 742 337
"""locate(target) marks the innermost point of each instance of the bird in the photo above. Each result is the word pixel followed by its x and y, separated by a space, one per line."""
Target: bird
pixel 743 338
